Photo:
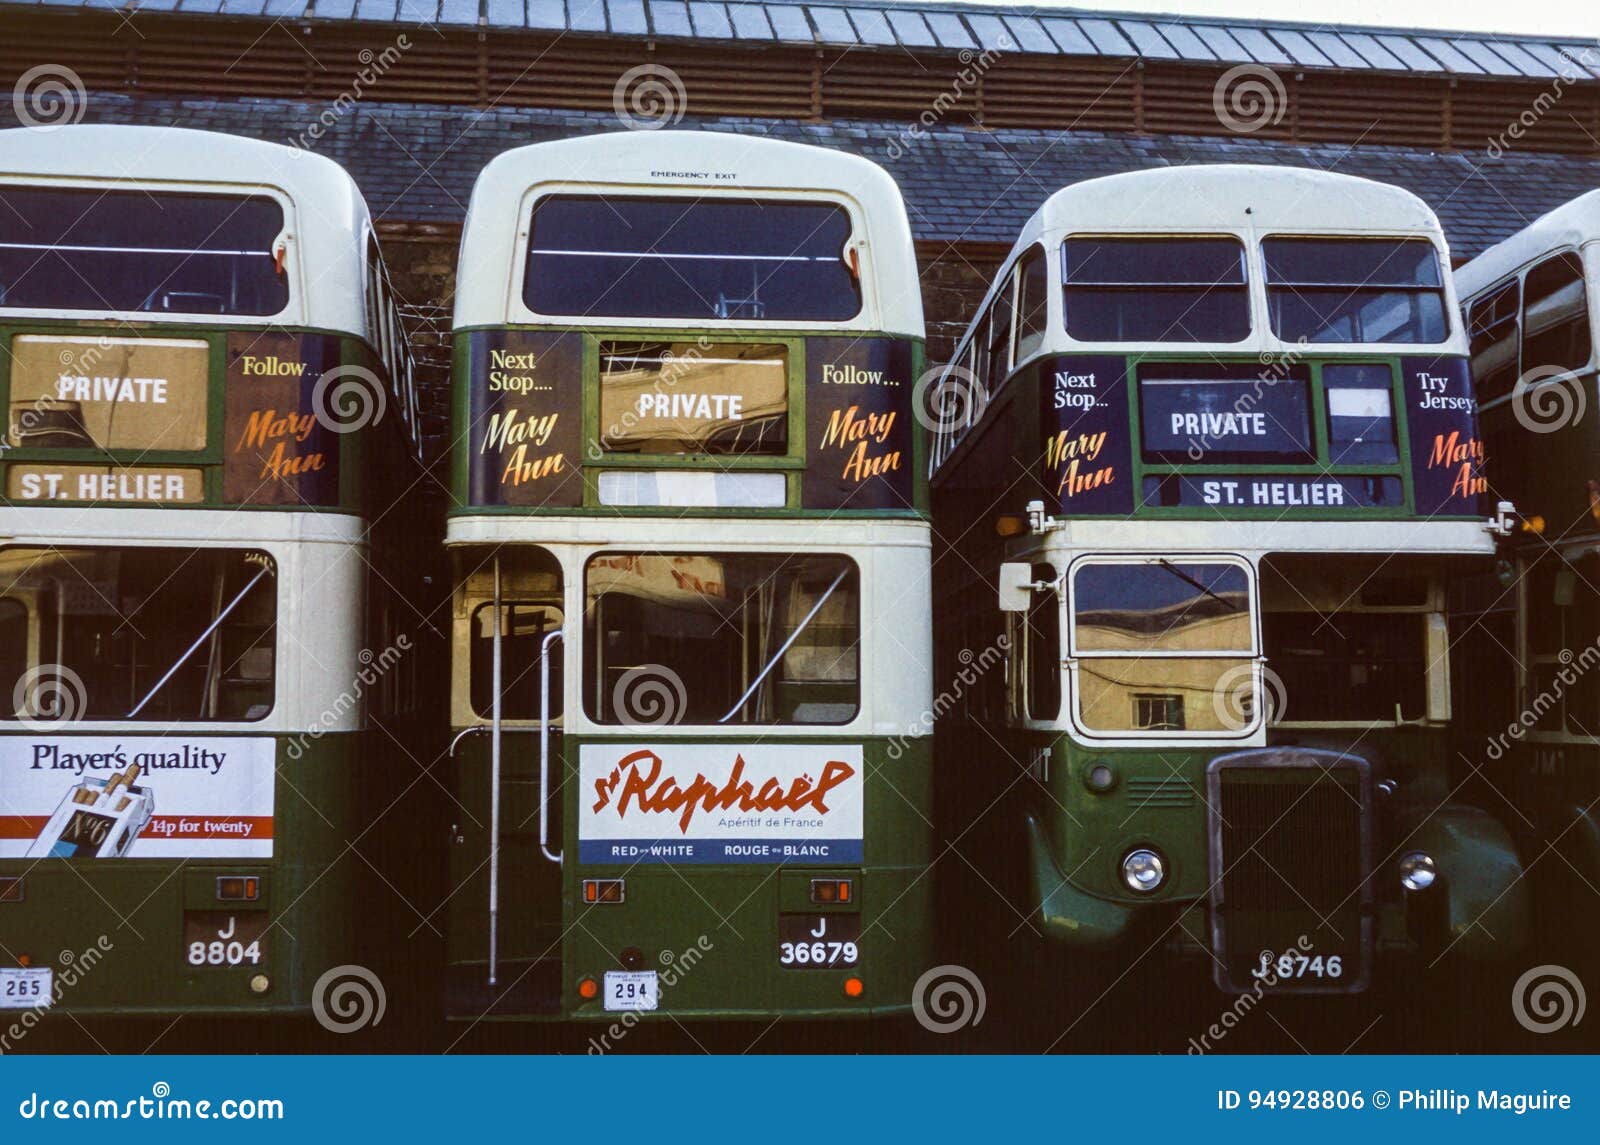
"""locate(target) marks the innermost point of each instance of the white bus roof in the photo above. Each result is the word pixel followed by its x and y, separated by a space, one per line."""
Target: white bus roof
pixel 327 226
pixel 1231 197
pixel 1569 226
pixel 492 249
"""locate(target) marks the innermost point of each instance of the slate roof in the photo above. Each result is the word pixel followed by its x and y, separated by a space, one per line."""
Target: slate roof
pixel 939 25
pixel 417 163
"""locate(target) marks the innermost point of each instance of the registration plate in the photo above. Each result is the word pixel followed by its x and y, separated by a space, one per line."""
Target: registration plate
pixel 220 938
pixel 631 990
pixel 1300 969
pixel 819 941
pixel 27 988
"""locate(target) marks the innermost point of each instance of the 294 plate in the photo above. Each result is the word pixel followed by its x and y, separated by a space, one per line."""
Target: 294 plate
pixel 819 941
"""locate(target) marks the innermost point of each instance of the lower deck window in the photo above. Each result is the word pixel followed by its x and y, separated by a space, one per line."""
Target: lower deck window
pixel 161 635
pixel 736 639
pixel 1349 666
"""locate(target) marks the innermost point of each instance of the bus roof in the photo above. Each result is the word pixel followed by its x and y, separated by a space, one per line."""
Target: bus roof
pixel 1570 225
pixel 330 213
pixel 1232 197
pixel 715 162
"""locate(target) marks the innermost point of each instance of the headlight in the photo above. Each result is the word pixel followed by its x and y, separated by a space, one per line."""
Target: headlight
pixel 1143 871
pixel 1418 871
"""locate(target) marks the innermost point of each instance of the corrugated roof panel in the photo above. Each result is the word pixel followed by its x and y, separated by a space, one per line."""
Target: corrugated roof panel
pixel 547 14
pixel 213 6
pixel 1147 40
pixel 872 27
pixel 586 15
pixel 511 13
pixel 833 26
pixel 290 9
pixel 1106 38
pixel 1561 65
pixel 710 21
pixel 1332 45
pixel 144 5
pixel 411 11
pixel 1519 58
pixel 1029 35
pixel 1447 55
pixel 1227 48
pixel 1189 46
pixel 1408 53
pixel 790 23
pixel 750 22
pixel 1069 37
pixel 991 32
pixel 1376 54
pixel 912 29
pixel 1301 50
pixel 1479 53
pixel 1260 47
pixel 949 30
pixel 670 17
pixel 627 17
pixel 332 9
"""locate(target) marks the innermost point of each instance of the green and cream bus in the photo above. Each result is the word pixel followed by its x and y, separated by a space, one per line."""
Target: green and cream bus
pixel 691 623
pixel 201 617
pixel 1207 463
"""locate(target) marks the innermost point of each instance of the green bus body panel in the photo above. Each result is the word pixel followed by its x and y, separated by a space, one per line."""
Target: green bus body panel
pixel 709 930
pixel 115 926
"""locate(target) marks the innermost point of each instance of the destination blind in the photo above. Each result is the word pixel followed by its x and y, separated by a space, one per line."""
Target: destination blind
pixel 1198 414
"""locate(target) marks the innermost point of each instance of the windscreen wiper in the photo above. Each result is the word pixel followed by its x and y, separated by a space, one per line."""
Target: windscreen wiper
pixel 1183 576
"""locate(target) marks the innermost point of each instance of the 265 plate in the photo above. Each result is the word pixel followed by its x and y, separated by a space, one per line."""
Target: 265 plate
pixel 26 988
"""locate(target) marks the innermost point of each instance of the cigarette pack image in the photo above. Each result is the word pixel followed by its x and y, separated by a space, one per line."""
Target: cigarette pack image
pixel 98 819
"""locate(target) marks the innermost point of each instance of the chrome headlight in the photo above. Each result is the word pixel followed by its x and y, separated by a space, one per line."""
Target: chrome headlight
pixel 1418 871
pixel 1143 870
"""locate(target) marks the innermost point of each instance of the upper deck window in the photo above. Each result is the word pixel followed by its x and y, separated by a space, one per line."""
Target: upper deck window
pixel 714 259
pixel 1492 326
pixel 1156 290
pixel 1355 290
pixel 64 248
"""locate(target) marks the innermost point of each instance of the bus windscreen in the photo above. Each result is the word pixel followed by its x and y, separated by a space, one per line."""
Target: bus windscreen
pixel 718 259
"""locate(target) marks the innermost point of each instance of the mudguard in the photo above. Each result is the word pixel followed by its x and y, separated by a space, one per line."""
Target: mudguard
pixel 1488 904
pixel 1066 914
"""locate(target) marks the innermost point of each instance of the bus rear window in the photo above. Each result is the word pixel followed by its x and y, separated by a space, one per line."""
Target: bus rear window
pixel 1156 290
pixel 1355 290
pixel 723 259
pixel 140 252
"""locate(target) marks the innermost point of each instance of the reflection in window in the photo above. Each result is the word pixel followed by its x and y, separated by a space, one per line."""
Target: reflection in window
pixel 1355 290
pixel 682 397
pixel 524 626
pixel 63 248
pixel 1492 328
pixel 1555 316
pixel 720 258
pixel 1156 290
pixel 1360 414
pixel 1158 641
pixel 110 625
pixel 721 638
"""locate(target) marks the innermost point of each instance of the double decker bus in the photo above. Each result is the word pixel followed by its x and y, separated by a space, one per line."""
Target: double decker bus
pixel 691 654
pixel 1207 462
pixel 201 613
pixel 1532 682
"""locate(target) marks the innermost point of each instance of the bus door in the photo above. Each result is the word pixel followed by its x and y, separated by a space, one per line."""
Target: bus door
pixel 505 914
